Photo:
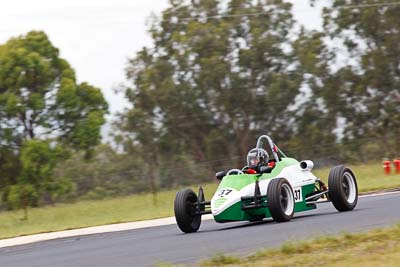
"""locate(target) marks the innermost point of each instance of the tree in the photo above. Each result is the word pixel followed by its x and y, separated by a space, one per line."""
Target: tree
pixel 40 99
pixel 315 133
pixel 105 174
pixel 215 79
pixel 38 160
pixel 371 84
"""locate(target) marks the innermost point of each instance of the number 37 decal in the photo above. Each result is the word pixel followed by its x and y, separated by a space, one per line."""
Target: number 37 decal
pixel 297 194
pixel 224 192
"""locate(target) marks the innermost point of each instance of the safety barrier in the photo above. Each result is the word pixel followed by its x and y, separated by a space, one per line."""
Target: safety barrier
pixel 396 164
pixel 387 167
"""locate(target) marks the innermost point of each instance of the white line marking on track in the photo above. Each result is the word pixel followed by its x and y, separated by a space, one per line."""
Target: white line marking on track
pixel 23 240
pixel 380 194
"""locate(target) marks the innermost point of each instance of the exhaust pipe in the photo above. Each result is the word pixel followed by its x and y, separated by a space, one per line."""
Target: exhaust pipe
pixel 306 165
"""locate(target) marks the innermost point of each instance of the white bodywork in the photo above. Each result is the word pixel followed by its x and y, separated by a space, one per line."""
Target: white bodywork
pixel 296 176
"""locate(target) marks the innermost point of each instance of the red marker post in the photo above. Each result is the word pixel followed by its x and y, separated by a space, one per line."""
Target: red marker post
pixel 396 164
pixel 386 166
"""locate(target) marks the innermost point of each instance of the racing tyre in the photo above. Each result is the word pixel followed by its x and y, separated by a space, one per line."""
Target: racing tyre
pixel 280 200
pixel 185 212
pixel 343 191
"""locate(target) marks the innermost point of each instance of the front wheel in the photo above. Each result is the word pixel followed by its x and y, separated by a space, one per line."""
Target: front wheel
pixel 343 190
pixel 186 215
pixel 280 200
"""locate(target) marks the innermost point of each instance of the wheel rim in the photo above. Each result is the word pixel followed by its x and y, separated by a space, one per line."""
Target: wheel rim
pixel 349 187
pixel 286 199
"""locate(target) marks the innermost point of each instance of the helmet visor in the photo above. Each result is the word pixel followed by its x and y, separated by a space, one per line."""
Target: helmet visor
pixel 253 159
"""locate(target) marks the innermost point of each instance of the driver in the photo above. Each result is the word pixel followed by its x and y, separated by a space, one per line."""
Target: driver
pixel 256 158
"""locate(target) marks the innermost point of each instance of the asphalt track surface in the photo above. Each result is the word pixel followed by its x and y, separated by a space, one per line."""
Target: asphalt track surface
pixel 166 244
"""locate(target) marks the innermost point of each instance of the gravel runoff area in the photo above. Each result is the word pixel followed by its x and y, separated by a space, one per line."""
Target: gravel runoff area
pixel 22 240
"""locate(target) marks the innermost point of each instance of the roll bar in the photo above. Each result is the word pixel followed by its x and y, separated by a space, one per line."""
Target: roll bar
pixel 260 142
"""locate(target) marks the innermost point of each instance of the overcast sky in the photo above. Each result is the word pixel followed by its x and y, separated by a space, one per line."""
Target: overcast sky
pixel 97 36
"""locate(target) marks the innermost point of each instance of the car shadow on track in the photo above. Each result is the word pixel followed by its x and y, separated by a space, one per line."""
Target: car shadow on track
pixel 247 224
pixel 239 225
pixel 301 217
pixel 325 213
pixel 304 216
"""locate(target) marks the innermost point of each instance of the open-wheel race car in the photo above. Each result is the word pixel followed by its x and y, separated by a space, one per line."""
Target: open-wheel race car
pixel 274 187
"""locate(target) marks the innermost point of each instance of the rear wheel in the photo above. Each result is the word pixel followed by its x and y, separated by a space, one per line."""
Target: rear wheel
pixel 280 200
pixel 186 212
pixel 343 190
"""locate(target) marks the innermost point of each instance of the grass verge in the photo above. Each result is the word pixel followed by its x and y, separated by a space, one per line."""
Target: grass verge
pixel 90 213
pixel 370 177
pixel 141 207
pixel 373 248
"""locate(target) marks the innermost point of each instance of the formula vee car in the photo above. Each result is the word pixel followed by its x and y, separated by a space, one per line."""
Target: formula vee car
pixel 278 190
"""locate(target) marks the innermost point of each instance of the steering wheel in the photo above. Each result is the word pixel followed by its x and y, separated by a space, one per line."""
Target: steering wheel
pixel 234 171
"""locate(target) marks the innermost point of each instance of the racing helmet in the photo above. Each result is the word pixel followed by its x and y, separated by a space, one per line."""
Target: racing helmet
pixel 257 157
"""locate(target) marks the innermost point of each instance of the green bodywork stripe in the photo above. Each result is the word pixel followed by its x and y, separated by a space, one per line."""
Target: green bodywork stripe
pixel 219 202
pixel 239 181
pixel 235 212
pixel 306 191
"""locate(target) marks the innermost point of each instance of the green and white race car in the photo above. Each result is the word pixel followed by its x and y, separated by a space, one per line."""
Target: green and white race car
pixel 278 189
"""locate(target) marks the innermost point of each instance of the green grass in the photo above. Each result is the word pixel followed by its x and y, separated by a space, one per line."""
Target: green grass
pixel 374 248
pixel 370 177
pixel 90 213
pixel 141 207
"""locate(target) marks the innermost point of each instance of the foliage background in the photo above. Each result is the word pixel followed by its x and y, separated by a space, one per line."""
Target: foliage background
pixel 219 75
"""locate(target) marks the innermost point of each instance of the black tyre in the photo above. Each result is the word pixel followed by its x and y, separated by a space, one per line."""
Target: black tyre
pixel 343 190
pixel 280 200
pixel 185 212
